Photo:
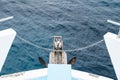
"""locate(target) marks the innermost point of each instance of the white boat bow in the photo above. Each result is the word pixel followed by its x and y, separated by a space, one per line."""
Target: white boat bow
pixel 41 74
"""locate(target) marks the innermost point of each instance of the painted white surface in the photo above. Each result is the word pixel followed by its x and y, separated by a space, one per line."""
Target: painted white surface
pixel 6 38
pixel 113 45
pixel 59 72
pixel 28 75
pixel 7 18
pixel 113 22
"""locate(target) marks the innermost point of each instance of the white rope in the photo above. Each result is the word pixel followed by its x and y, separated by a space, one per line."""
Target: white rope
pixel 71 50
pixel 30 43
pixel 40 47
pixel 86 47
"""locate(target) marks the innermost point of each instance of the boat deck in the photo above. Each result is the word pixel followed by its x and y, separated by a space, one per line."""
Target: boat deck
pixel 41 74
pixel 45 78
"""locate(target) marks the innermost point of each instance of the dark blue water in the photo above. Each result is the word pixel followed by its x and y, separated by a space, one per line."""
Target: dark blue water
pixel 80 22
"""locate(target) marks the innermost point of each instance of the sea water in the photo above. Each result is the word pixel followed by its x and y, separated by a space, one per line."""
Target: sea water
pixel 79 22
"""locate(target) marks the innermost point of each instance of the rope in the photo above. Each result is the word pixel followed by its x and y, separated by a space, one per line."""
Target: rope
pixel 48 49
pixel 86 47
pixel 32 44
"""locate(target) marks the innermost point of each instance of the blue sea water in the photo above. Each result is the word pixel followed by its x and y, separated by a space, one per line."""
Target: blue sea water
pixel 79 22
